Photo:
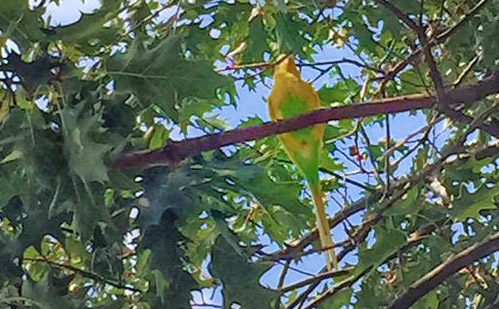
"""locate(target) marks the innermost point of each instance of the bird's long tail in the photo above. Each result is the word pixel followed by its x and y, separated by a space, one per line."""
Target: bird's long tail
pixel 323 225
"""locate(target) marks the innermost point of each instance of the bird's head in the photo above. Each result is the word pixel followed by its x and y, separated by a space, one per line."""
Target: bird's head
pixel 286 64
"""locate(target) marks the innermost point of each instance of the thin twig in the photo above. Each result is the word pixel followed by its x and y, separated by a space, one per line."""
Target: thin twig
pixel 423 139
pixel 388 138
pixel 466 70
pixel 258 65
pixel 426 47
pixel 350 210
pixel 282 277
pixel 335 289
pixel 343 60
pixel 284 272
pixel 399 13
pixel 411 135
pixel 332 173
pixel 85 274
pixel 319 277
pixel 367 141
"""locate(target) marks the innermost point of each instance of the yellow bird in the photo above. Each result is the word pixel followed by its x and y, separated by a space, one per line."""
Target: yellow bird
pixel 291 96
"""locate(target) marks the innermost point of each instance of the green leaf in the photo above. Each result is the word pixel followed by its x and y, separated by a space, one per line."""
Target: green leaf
pixel 388 242
pixel 240 278
pixel 469 205
pixel 410 203
pixel 340 299
pixel 253 179
pixel 165 74
pixel 281 6
pixel 89 33
pixel 167 190
pixel 37 225
pixel 44 294
pixel 278 222
pixel 85 156
pixel 331 164
pixel 428 301
pixel 413 82
pixel 468 171
pixel 159 136
pixel 341 92
pixel 14 155
pixel 256 46
pixel 20 23
pixel 194 107
pixel 169 282
pixel 288 33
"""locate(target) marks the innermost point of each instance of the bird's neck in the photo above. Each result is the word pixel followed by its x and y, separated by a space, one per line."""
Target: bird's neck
pixel 282 76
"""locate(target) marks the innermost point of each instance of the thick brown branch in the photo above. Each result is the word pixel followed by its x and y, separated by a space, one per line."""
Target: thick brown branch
pixel 469 94
pixel 176 151
pixel 445 270
pixel 492 128
pixel 491 151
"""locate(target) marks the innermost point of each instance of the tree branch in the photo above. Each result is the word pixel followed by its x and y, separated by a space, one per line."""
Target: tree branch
pixel 399 13
pixel 174 152
pixel 335 289
pixel 341 61
pixel 85 274
pixel 318 277
pixel 432 279
pixel 466 70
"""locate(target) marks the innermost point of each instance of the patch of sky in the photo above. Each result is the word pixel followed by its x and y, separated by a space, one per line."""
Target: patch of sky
pixel 165 13
pixel 68 12
pixel 206 298
pixel 10 47
pixel 42 103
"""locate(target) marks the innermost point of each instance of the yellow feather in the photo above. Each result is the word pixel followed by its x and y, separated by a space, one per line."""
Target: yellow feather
pixel 291 96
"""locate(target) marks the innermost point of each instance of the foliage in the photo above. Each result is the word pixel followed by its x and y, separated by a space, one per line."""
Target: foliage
pixel 76 232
